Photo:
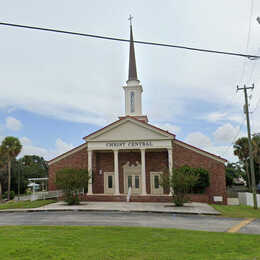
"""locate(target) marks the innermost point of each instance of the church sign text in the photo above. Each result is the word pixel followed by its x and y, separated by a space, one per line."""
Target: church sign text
pixel 129 144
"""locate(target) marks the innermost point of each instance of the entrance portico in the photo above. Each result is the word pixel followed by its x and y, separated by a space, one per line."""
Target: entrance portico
pixel 122 139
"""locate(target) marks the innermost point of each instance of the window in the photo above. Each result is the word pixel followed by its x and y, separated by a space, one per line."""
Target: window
pixel 129 181
pixel 110 181
pixel 156 182
pixel 132 102
pixel 137 182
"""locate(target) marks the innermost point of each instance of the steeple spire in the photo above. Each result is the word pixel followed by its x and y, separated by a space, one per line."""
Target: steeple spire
pixel 132 74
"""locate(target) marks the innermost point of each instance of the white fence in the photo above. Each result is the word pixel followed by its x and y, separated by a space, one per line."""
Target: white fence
pixel 41 195
pixel 246 198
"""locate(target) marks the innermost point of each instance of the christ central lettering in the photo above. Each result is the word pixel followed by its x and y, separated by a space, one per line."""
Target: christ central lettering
pixel 129 144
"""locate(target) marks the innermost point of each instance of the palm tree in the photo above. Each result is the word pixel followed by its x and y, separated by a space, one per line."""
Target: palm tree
pixel 11 147
pixel 3 161
pixel 256 148
pixel 241 150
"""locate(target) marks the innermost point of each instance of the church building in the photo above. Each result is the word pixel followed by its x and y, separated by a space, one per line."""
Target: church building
pixel 130 152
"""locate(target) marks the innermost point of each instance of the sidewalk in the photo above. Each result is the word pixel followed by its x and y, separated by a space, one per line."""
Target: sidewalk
pixel 189 208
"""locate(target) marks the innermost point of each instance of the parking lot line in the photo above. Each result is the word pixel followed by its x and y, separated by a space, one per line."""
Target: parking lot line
pixel 243 223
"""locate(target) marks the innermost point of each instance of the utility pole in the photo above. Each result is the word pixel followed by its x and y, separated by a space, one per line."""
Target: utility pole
pixel 252 167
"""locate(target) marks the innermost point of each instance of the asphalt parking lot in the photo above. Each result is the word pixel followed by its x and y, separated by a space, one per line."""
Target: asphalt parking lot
pixel 159 220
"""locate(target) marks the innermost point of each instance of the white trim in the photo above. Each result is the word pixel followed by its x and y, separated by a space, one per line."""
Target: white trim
pixel 58 158
pixel 123 121
pixel 90 153
pixel 143 172
pixel 116 173
pixel 197 150
pixel 108 190
pixel 153 190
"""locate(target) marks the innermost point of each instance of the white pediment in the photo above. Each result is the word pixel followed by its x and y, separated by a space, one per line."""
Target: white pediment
pixel 129 129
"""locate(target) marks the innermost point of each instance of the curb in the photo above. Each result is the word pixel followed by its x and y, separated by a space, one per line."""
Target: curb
pixel 103 210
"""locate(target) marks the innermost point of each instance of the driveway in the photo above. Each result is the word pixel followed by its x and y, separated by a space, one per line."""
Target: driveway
pixel 159 220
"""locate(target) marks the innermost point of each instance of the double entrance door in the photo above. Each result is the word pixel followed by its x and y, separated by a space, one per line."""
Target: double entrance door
pixel 133 180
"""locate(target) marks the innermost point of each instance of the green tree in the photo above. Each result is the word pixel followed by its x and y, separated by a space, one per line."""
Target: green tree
pixel 241 150
pixel 233 170
pixel 10 147
pixel 203 180
pixel 29 166
pixel 71 182
pixel 181 182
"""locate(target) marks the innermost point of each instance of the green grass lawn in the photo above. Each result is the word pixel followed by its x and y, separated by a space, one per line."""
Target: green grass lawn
pixel 25 204
pixel 240 211
pixel 132 243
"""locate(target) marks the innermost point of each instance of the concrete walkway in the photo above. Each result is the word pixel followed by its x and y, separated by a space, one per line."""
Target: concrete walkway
pixel 189 208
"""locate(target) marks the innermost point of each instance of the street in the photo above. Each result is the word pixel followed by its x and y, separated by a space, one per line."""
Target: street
pixel 158 220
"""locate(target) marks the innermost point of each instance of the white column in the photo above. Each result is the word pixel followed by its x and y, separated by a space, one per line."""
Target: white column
pixel 90 172
pixel 116 175
pixel 143 172
pixel 170 164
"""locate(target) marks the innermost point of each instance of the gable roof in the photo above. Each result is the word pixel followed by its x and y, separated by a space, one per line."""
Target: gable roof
pixel 126 119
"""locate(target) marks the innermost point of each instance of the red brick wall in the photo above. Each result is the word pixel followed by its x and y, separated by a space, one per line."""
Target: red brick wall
pixel 155 162
pixel 183 156
pixel 102 161
pixel 77 160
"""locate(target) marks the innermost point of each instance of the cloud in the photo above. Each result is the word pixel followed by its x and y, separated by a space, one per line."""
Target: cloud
pixel 11 109
pixel 13 124
pixel 30 149
pixel 198 139
pixel 174 129
pixel 62 147
pixel 216 116
pixel 226 133
pixel 203 142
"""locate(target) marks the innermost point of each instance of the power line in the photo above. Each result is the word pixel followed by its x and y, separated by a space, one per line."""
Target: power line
pixel 249 56
pixel 248 38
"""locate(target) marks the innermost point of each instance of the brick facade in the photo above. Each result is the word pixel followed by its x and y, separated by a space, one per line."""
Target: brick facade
pixel 183 156
pixel 155 161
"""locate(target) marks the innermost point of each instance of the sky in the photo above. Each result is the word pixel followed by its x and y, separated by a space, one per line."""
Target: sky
pixel 55 89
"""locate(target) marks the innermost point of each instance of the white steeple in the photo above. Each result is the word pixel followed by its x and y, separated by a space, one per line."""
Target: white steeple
pixel 133 89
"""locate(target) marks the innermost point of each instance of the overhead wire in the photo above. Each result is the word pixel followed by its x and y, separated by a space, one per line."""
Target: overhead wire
pixel 249 56
pixel 248 40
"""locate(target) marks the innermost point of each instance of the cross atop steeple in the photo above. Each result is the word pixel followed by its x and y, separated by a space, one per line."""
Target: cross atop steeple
pixel 130 19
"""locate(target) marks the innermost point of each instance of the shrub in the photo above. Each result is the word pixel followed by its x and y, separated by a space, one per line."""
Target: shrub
pixel 203 180
pixel 12 195
pixel 71 182
pixel 181 182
